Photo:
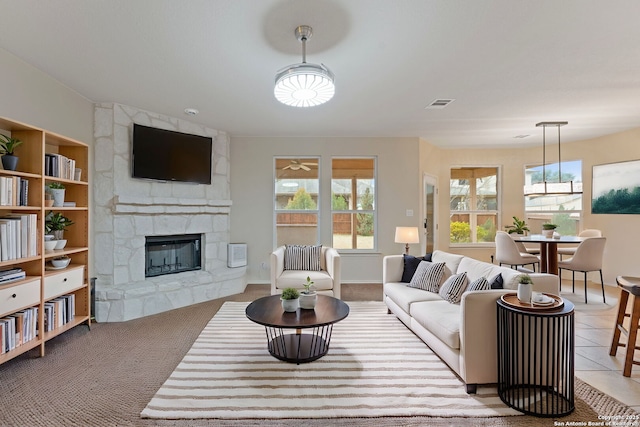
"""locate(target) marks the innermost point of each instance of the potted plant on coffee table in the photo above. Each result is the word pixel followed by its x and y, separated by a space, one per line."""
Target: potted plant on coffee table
pixel 56 223
pixel 7 145
pixel 289 299
pixel 308 297
pixel 525 288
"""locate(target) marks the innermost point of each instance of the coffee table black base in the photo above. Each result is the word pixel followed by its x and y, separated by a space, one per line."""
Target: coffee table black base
pixel 299 347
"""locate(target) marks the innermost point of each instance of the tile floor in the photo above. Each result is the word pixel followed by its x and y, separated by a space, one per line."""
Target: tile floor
pixel 594 331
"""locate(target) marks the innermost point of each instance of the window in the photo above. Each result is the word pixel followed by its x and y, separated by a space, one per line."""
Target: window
pixel 564 210
pixel 297 201
pixel 353 203
pixel 473 204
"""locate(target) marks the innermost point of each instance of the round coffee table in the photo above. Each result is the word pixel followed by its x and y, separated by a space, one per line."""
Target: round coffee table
pixel 297 347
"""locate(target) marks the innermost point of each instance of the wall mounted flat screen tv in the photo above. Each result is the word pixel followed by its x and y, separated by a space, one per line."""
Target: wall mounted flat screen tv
pixel 167 155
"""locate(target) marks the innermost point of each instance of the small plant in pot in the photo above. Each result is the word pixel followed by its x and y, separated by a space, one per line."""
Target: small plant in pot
pixel 289 299
pixel 308 297
pixel 57 190
pixel 548 229
pixel 56 223
pixel 525 288
pixel 7 146
pixel 519 226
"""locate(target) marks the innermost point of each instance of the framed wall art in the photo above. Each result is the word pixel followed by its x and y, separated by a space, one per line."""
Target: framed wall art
pixel 616 188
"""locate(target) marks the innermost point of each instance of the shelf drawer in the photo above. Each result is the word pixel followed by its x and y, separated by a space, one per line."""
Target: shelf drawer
pixel 63 282
pixel 13 298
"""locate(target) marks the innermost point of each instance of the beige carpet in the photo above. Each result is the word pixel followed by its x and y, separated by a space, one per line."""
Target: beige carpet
pixel 375 367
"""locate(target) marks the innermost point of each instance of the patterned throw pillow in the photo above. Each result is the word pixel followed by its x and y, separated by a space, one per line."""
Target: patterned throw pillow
pixel 302 257
pixel 481 284
pixel 428 276
pixel 452 289
pixel 410 265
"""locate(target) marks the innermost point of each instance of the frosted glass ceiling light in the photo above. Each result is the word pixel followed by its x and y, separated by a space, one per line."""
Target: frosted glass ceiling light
pixel 303 84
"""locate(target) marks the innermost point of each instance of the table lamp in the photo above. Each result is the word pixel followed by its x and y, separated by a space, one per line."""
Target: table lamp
pixel 407 235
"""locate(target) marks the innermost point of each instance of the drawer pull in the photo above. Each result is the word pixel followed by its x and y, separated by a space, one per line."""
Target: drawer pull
pixel 13 296
pixel 65 279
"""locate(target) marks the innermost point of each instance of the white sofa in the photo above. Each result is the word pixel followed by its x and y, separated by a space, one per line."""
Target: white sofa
pixel 463 335
pixel 326 281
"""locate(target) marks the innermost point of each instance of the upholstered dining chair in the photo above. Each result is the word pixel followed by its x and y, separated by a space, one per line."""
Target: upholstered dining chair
pixel 570 250
pixel 507 252
pixel 588 257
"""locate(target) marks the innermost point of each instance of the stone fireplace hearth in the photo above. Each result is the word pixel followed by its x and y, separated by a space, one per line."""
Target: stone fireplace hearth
pixel 127 211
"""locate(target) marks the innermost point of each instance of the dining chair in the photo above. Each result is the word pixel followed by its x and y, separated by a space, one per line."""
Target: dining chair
pixel 507 252
pixel 570 250
pixel 588 257
pixel 524 249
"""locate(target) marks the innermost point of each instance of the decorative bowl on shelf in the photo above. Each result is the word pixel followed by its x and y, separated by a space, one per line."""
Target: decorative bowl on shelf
pixel 60 244
pixel 50 245
pixel 60 262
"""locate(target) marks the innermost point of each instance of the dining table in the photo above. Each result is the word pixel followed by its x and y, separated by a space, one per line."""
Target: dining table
pixel 549 249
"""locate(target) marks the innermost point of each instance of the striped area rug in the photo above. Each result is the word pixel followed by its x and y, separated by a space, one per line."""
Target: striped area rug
pixel 375 367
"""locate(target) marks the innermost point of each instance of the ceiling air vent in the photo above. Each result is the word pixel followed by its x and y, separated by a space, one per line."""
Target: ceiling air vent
pixel 439 103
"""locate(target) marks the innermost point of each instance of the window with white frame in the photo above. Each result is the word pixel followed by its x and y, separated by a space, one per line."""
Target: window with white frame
pixel 353 203
pixel 473 204
pixel 297 200
pixel 563 208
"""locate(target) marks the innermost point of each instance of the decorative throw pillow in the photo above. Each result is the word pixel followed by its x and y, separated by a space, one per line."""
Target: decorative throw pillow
pixel 302 257
pixel 452 288
pixel 428 276
pixel 410 265
pixel 481 284
pixel 497 282
pixel 427 256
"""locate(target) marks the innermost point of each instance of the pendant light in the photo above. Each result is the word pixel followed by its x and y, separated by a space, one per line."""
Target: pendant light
pixel 304 84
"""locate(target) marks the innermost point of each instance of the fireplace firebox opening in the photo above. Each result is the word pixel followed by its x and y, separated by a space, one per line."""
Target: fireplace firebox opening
pixel 172 254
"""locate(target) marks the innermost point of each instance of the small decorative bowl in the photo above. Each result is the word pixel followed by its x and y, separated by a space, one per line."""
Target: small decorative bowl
pixel 48 237
pixel 50 245
pixel 60 244
pixel 60 262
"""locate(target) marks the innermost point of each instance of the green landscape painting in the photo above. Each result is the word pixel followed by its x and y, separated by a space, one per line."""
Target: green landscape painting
pixel 616 188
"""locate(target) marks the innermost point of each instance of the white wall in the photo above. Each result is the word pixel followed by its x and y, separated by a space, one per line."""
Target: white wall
pixel 252 220
pixel 622 231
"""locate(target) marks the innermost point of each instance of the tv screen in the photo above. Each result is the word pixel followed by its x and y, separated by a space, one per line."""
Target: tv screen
pixel 167 155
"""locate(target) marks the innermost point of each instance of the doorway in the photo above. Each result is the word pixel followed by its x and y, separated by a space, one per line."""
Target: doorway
pixel 429 223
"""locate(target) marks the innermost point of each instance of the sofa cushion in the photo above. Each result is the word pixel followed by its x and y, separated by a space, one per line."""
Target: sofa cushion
pixel 452 289
pixel 297 279
pixel 302 257
pixel 480 284
pixel 428 276
pixel 440 318
pixel 404 295
pixel 410 265
pixel 451 262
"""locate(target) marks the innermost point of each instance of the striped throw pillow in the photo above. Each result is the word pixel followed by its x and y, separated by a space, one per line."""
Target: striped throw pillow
pixel 428 276
pixel 302 257
pixel 452 288
pixel 481 284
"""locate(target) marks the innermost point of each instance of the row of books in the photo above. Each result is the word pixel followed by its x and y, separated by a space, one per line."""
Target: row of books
pixel 59 166
pixel 18 236
pixel 18 328
pixel 14 191
pixel 59 311
pixel 11 275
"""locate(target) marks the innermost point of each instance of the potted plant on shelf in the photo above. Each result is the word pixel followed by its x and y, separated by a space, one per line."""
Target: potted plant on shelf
pixel 7 145
pixel 548 229
pixel 525 288
pixel 519 226
pixel 56 223
pixel 308 297
pixel 56 190
pixel 289 299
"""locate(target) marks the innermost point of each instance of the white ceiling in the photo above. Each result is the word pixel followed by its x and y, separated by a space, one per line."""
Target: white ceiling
pixel 507 63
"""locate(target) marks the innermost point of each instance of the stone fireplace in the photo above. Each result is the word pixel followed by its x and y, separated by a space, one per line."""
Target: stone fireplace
pixel 127 212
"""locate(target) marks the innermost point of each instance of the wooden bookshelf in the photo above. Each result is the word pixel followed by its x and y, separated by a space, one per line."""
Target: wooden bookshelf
pixel 42 285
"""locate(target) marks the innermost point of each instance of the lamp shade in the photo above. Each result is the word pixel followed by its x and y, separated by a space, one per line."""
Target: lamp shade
pixel 407 235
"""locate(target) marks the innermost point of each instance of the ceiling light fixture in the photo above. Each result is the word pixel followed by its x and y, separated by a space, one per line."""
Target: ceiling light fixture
pixel 304 84
pixel 549 188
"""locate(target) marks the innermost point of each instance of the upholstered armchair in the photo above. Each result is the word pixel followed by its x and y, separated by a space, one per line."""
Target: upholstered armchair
pixel 326 279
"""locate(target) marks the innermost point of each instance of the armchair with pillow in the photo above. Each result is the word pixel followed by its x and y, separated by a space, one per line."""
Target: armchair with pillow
pixel 291 264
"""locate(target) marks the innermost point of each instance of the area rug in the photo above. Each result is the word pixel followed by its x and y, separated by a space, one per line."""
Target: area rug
pixel 375 367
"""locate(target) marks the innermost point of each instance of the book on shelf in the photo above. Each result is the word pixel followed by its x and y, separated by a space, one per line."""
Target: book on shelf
pixel 12 277
pixel 59 166
pixel 14 191
pixel 18 236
